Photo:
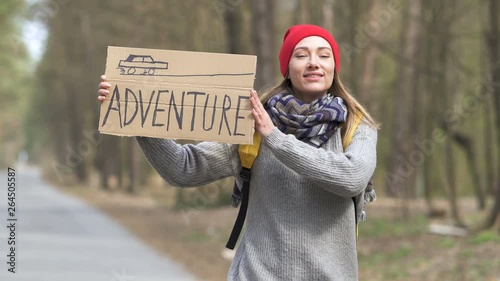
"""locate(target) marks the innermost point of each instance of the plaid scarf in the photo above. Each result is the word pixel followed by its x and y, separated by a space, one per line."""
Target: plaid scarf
pixel 313 123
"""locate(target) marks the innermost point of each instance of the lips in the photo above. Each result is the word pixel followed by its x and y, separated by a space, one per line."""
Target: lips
pixel 313 75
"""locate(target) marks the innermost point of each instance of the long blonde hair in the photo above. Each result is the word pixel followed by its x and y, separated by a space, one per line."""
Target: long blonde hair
pixel 354 108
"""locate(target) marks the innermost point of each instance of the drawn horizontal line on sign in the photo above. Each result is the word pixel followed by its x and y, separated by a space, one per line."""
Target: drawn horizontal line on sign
pixel 192 75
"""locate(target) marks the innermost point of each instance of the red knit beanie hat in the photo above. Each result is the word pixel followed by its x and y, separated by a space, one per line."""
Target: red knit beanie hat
pixel 298 32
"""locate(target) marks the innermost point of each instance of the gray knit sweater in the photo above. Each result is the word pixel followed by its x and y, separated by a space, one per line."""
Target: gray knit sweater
pixel 300 223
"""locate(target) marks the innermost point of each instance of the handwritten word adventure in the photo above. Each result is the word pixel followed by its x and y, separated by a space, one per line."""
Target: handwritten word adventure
pixel 177 109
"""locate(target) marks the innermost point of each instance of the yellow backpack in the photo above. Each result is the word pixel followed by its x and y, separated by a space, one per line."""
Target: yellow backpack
pixel 248 154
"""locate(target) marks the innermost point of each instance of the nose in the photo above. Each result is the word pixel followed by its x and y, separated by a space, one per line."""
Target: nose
pixel 313 63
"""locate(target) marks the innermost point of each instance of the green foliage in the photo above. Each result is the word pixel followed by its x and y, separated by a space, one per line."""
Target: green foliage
pixel 389 260
pixel 397 272
pixel 402 251
pixel 14 80
pixel 447 242
pixel 378 227
pixel 422 256
pixel 485 237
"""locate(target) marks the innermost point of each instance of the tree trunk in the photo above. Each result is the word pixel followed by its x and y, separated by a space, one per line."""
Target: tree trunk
pixel 76 143
pixel 466 143
pixel 102 162
pixel 407 87
pixel 368 93
pixel 263 34
pixel 395 181
pixel 134 165
pixel 449 80
pixel 352 62
pixel 490 150
pixel 427 107
pixel 233 22
pixel 118 166
pixel 74 112
pixel 413 88
pixel 494 52
pixel 449 181
pixel 328 16
pixel 302 12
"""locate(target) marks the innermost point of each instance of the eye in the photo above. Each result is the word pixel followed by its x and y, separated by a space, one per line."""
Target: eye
pixel 300 55
pixel 324 56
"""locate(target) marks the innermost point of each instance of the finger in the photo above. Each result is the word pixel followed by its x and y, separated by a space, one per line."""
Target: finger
pixel 103 92
pixel 257 100
pixel 104 85
pixel 257 110
pixel 255 96
pixel 101 98
pixel 103 78
pixel 256 117
pixel 253 101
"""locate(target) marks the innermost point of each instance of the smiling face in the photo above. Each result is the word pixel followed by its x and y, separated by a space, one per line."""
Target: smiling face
pixel 311 68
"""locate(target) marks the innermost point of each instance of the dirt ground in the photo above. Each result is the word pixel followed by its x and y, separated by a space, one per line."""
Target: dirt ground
pixel 389 247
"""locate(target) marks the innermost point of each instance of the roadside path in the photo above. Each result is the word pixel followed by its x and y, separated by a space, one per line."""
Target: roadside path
pixel 61 238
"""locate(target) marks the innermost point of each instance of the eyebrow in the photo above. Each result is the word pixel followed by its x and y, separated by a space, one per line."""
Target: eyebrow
pixel 307 48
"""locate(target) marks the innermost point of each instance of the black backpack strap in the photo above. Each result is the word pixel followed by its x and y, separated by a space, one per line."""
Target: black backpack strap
pixel 240 220
pixel 355 217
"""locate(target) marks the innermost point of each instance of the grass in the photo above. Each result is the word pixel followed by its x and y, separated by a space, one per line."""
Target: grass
pixel 391 248
pixel 447 242
pixel 379 227
pixel 485 237
pixel 401 252
pixel 196 236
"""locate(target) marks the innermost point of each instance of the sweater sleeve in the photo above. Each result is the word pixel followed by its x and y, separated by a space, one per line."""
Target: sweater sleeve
pixel 190 165
pixel 343 173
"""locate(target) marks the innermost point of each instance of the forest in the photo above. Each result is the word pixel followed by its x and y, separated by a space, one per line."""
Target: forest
pixel 427 71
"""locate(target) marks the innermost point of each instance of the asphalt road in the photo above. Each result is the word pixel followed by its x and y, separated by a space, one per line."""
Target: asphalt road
pixel 61 238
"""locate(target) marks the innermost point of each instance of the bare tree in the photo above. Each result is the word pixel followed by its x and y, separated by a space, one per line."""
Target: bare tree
pixel 302 12
pixel 428 106
pixel 134 162
pixel 368 91
pixel 263 39
pixel 447 84
pixel 490 131
pixel 233 23
pixel 494 52
pixel 403 183
pixel 328 15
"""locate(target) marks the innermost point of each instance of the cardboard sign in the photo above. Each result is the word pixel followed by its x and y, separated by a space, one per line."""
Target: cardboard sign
pixel 178 95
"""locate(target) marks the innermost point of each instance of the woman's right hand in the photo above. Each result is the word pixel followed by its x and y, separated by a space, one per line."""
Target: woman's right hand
pixel 103 89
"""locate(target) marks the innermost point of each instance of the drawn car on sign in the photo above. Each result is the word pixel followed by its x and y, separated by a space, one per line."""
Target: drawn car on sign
pixel 144 63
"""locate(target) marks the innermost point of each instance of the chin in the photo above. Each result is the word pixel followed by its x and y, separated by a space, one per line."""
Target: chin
pixel 315 90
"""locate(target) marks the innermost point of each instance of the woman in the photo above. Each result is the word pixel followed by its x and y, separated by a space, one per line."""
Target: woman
pixel 300 223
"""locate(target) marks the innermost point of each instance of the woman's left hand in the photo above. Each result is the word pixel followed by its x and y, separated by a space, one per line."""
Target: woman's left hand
pixel 263 123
